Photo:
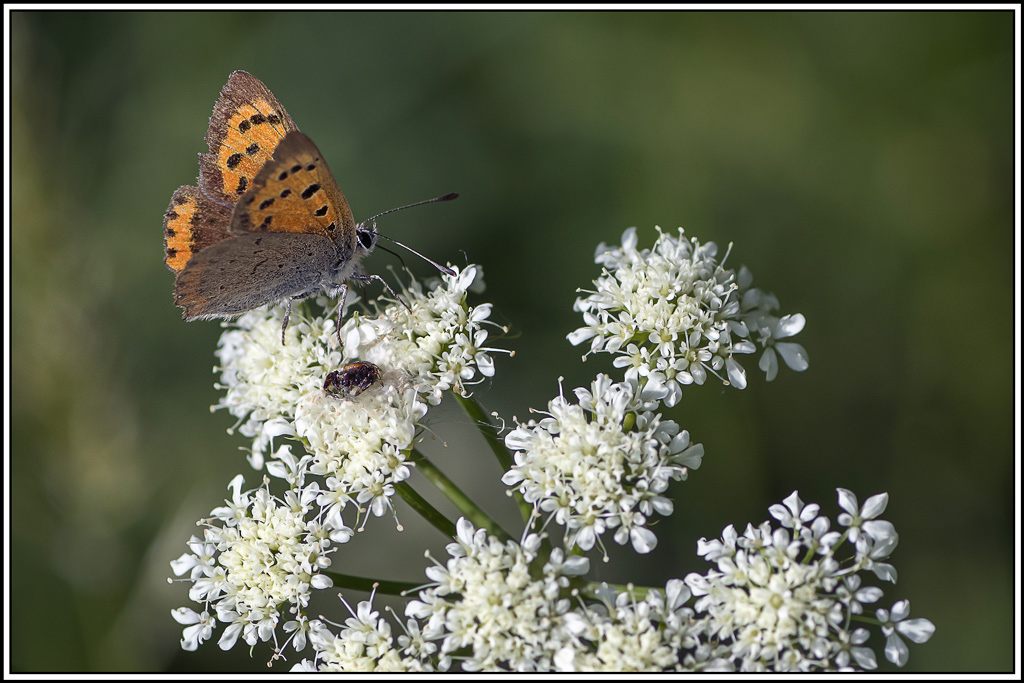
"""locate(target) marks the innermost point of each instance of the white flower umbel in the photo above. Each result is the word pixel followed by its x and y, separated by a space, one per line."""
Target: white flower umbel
pixel 624 633
pixel 359 446
pixel 263 379
pixel 257 564
pixel 601 465
pixel 788 595
pixel 502 607
pixel 786 599
pixel 437 342
pixel 260 555
pixel 672 314
pixel 494 605
pixel 365 643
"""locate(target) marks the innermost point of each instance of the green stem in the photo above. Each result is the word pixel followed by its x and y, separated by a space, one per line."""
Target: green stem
pixel 426 510
pixel 361 583
pixel 465 505
pixel 864 619
pixel 488 430
pixel 496 443
pixel 639 592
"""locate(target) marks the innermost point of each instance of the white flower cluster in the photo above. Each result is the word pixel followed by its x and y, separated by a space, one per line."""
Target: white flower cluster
pixel 366 644
pixel 491 599
pixel 603 464
pixel 623 633
pixel 782 600
pixel 266 554
pixel 257 563
pixel 488 609
pixel 358 445
pixel 672 314
pixel 787 597
pixel 437 341
pixel 496 606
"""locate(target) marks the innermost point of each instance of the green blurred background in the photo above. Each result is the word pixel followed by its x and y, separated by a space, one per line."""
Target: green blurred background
pixel 862 163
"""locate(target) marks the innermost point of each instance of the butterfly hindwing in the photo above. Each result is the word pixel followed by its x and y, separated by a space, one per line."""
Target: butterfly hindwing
pixel 192 222
pixel 244 272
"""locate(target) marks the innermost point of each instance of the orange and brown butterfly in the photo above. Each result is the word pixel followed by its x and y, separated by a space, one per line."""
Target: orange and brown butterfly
pixel 267 222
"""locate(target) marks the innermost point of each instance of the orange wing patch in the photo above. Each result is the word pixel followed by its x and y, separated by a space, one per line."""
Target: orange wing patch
pixel 245 128
pixel 295 192
pixel 191 223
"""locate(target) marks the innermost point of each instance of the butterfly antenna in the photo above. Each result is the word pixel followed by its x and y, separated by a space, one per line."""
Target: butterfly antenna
pixel 393 253
pixel 445 198
pixel 443 269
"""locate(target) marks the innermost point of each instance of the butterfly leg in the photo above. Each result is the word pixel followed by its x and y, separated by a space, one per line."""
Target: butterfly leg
pixel 341 308
pixel 368 278
pixel 287 315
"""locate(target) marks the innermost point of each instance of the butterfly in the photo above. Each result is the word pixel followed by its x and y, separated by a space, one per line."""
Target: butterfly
pixel 266 222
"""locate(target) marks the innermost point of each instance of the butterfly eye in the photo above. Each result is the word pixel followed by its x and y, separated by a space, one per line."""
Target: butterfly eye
pixel 367 239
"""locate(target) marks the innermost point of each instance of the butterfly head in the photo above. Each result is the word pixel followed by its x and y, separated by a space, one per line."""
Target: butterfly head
pixel 366 237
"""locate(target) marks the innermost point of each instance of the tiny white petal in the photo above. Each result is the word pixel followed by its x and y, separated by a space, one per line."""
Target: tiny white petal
pixel 789 325
pixel 896 650
pixel 875 505
pixel 916 630
pixel 794 355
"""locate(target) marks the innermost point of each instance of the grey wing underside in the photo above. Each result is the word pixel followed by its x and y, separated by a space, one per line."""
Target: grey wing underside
pixel 241 273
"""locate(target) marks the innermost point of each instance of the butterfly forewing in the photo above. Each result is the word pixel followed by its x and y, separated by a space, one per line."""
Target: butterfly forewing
pixel 295 192
pixel 246 127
